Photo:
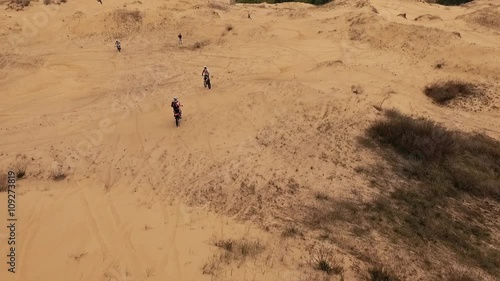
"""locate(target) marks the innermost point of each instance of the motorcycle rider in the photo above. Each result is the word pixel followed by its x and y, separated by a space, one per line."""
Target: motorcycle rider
pixel 205 73
pixel 118 46
pixel 176 105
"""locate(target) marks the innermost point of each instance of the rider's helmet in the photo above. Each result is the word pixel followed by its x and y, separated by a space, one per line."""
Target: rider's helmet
pixel 175 98
pixel 205 67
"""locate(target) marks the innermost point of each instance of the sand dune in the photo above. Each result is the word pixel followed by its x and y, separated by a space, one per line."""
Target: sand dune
pixel 294 87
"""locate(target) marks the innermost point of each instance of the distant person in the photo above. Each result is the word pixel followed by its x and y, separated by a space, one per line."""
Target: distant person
pixel 176 105
pixel 206 76
pixel 205 72
pixel 118 46
pixel 100 1
pixel 180 39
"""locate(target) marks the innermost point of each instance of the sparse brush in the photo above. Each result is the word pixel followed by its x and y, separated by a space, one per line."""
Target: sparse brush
pixel 58 173
pixel 445 165
pixel 199 45
pixel 321 196
pixel 291 231
pixel 229 27
pixel 321 258
pixel 443 92
pixel 380 273
pixel 150 272
pixel 449 2
pixel 463 275
pixel 20 169
pixel 240 249
pixel 78 257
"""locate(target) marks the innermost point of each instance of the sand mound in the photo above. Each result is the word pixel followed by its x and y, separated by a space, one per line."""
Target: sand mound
pixel 428 17
pixel 489 17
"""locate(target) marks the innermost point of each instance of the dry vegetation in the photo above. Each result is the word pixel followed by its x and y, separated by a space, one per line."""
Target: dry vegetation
pixel 18 4
pixel 57 2
pixel 427 17
pixel 234 251
pixel 380 273
pixel 489 18
pixel 322 258
pixel 58 173
pixel 199 45
pixel 451 183
pixel 445 91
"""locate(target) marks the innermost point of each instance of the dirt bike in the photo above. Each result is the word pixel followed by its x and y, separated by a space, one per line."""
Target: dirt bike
pixel 206 82
pixel 178 118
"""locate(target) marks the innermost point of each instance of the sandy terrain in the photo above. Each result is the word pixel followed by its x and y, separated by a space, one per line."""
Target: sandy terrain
pixel 142 199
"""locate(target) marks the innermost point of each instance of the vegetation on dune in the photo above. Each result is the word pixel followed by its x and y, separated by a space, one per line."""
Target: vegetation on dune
pixel 314 2
pixel 443 92
pixel 451 185
pixel 450 2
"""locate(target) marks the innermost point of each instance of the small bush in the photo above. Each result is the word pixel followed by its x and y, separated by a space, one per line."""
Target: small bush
pixel 314 2
pixel 449 2
pixel 443 92
pixel 18 4
pixel 229 27
pixel 321 196
pixel 380 273
pixel 321 258
pixel 200 44
pixel 291 231
pixel 240 249
pixel 58 174
pixel 20 166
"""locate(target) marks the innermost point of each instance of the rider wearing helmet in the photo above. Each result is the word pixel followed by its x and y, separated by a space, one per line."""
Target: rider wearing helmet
pixel 205 72
pixel 118 45
pixel 176 105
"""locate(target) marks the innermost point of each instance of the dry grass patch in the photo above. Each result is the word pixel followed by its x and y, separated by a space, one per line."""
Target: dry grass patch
pixel 233 251
pixel 240 249
pixel 18 4
pixel 58 173
pixel 445 91
pixel 199 45
pixel 380 273
pixel 322 258
pixel 442 189
pixel 291 231
pixel 427 17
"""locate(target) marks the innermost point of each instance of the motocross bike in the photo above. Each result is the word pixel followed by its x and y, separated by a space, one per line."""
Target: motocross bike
pixel 178 118
pixel 206 82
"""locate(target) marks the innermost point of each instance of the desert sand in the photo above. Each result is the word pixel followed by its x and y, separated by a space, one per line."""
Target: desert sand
pixel 294 86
